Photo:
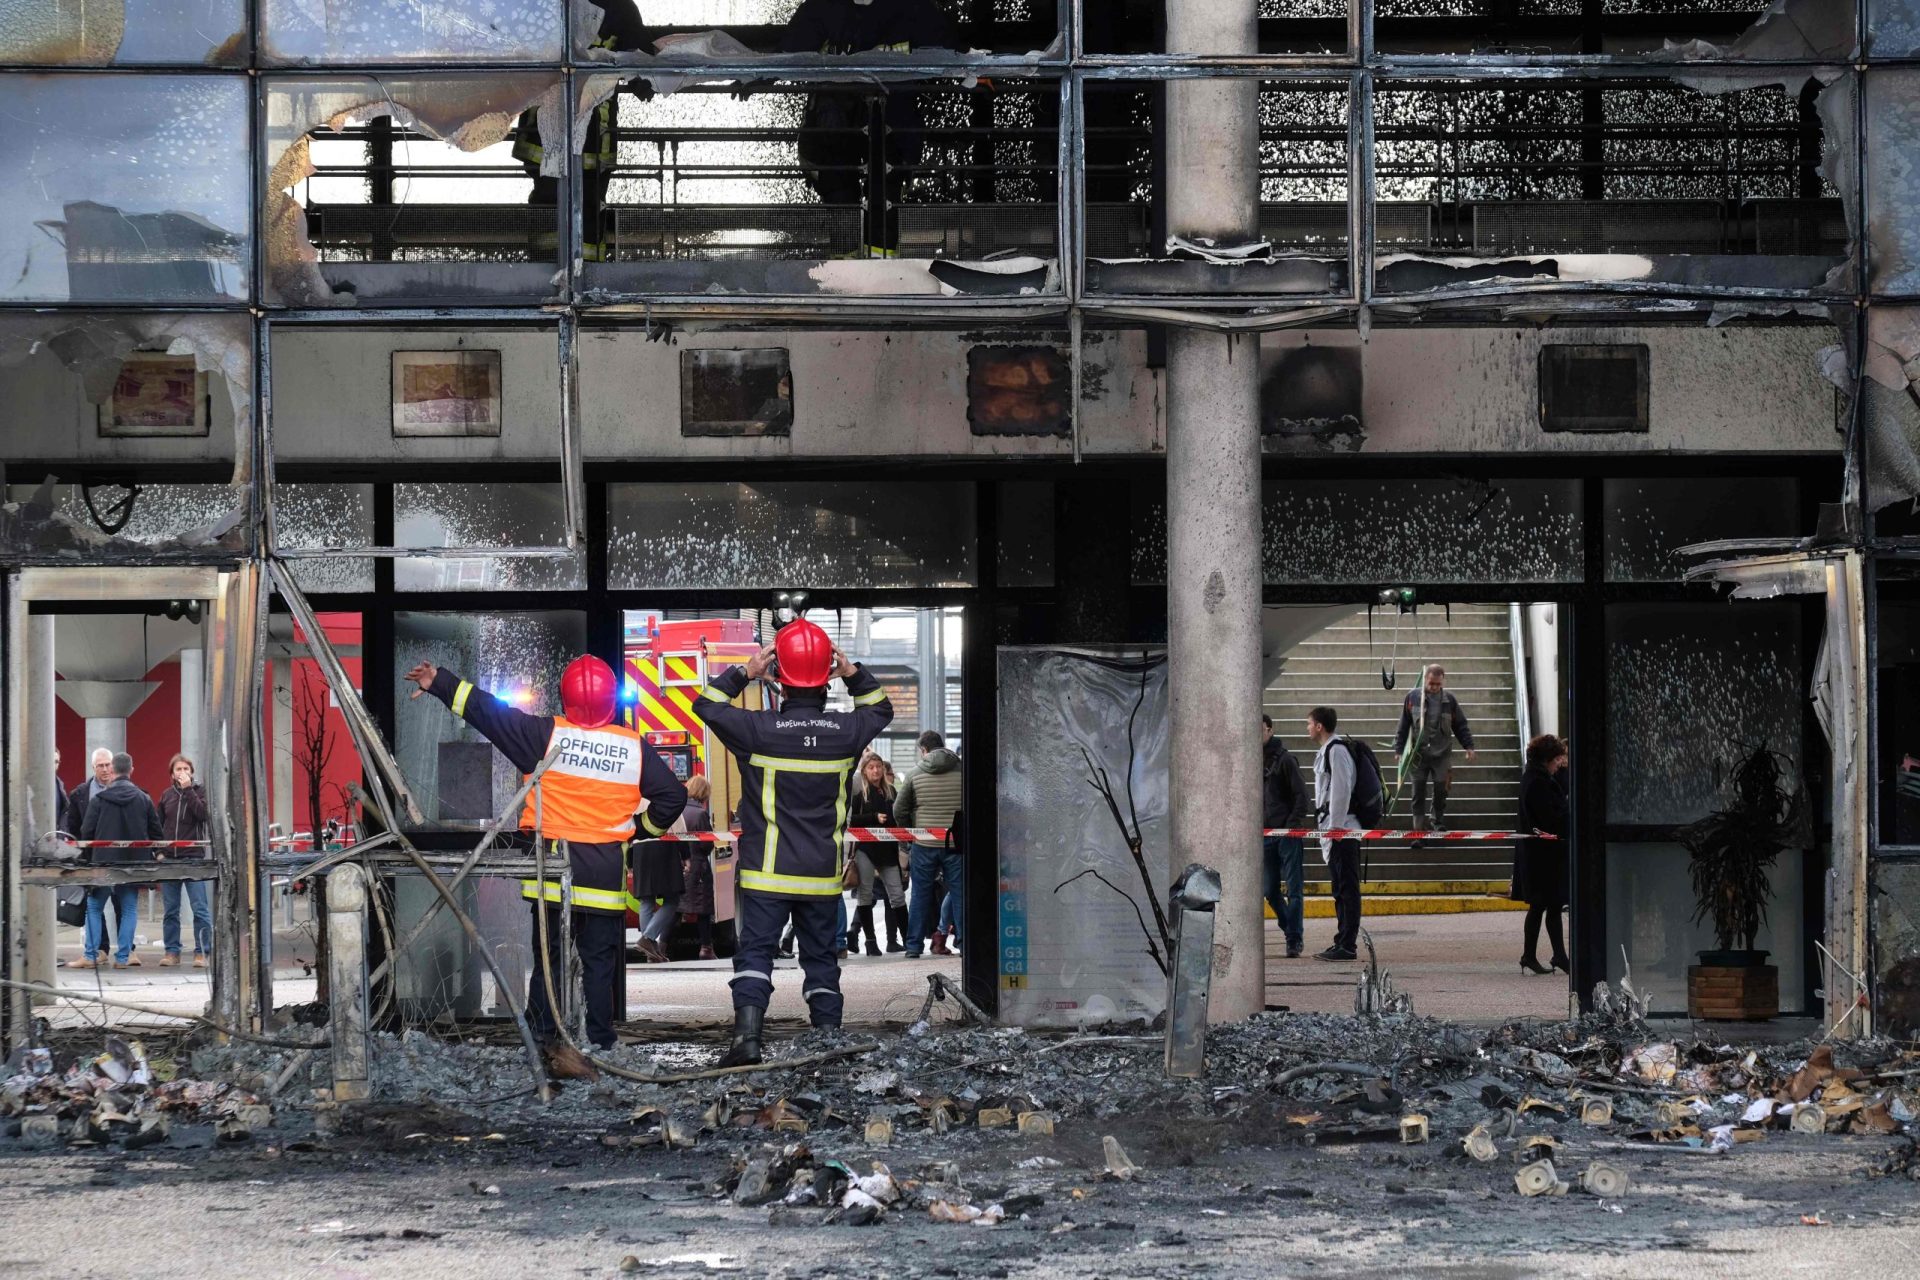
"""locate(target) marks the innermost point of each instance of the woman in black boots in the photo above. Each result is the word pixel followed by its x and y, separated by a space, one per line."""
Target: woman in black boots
pixel 1540 866
pixel 873 807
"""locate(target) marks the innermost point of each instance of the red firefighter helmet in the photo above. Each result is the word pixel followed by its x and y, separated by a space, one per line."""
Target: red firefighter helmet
pixel 588 692
pixel 805 654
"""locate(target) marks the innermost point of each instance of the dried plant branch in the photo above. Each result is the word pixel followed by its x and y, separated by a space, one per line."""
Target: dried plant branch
pixel 1152 950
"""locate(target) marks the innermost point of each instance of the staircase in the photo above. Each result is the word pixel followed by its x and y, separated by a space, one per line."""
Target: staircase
pixel 1337 668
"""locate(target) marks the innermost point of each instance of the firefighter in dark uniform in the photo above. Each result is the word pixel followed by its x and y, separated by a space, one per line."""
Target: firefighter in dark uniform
pixel 840 134
pixel 620 31
pixel 588 798
pixel 796 777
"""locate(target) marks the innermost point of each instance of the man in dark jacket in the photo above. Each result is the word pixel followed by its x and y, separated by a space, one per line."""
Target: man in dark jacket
pixel 840 134
pixel 1430 720
pixel 59 795
pixel 1284 805
pixel 931 796
pixel 796 771
pixel 80 796
pixel 121 811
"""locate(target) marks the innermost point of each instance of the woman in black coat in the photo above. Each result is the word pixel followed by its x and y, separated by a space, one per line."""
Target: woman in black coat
pixel 1540 866
pixel 696 903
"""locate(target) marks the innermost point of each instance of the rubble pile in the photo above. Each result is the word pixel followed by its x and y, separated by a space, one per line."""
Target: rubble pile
pixel 120 1098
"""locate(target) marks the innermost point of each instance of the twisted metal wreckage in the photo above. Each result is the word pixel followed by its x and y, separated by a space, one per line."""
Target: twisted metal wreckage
pixel 1869 106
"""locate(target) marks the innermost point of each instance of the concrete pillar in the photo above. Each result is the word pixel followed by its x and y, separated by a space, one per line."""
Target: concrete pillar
pixel 193 709
pixel 1213 509
pixel 347 981
pixel 281 672
pixel 37 722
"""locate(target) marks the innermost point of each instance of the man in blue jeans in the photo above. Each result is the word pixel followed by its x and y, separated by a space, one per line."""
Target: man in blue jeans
pixel 931 796
pixel 119 812
pixel 1284 805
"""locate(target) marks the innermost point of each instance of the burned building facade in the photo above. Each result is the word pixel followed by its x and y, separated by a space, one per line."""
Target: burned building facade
pixel 1120 324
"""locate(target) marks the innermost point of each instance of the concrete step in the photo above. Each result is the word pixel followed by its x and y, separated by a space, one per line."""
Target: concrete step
pixel 1411 905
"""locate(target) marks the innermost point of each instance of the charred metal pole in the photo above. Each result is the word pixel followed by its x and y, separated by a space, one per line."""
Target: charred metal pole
pixel 1213 507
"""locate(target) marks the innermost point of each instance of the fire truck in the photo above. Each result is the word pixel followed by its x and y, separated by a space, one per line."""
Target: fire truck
pixel 666 666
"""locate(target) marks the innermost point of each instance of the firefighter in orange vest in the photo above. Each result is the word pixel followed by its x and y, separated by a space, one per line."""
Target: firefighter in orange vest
pixel 796 774
pixel 589 798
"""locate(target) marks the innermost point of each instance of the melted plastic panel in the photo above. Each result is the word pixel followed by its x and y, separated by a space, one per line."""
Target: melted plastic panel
pixel 311 32
pixel 124 189
pixel 470 113
pixel 1389 531
pixel 102 32
pixel 790 534
pixel 1690 688
pixel 482 515
pixel 1893 179
pixel 309 516
pixel 1647 520
pixel 459 778
pixel 1078 957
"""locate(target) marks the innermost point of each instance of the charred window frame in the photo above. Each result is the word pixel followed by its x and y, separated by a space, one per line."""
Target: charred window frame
pixel 1595 387
pixel 730 391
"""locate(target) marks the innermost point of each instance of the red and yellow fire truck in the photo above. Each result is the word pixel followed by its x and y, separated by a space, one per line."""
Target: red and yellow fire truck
pixel 666 666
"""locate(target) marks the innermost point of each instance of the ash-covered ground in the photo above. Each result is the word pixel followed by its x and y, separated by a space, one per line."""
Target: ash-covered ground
pixel 955 1150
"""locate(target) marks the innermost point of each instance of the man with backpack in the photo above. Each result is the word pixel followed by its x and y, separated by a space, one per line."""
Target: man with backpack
pixel 1283 805
pixel 1347 797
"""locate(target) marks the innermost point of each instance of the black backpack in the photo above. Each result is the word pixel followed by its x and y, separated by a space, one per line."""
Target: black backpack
pixel 1369 793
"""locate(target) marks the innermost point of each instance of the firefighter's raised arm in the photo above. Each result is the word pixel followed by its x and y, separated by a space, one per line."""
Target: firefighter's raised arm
pixel 872 709
pixel 732 725
pixel 520 737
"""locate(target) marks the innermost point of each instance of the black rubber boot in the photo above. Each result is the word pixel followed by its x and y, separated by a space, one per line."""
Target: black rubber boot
pixel 745 1050
pixel 896 925
pixel 863 925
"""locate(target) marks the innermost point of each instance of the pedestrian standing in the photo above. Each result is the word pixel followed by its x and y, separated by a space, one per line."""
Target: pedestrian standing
pixel 1430 722
pixel 121 811
pixel 696 899
pixel 659 879
pixel 59 797
pixel 183 816
pixel 931 796
pixel 1347 795
pixel 1540 866
pixel 796 765
pixel 1283 806
pixel 878 861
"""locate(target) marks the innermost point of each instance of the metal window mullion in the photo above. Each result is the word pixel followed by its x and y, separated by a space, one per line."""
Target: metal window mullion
pixel 1070 215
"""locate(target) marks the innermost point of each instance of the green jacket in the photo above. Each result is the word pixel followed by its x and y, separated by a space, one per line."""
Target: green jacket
pixel 932 794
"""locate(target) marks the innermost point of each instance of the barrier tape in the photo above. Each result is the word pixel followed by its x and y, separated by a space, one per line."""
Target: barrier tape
pixel 139 844
pixel 1436 836
pixel 856 835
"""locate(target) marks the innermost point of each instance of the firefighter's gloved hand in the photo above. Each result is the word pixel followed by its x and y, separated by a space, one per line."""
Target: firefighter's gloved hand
pixel 757 665
pixel 842 666
pixel 422 674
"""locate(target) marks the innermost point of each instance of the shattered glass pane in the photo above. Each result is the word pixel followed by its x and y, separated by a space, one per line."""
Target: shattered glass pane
pixel 1893 28
pixel 1893 180
pixel 118 519
pixel 303 32
pixel 140 32
pixel 124 188
pixel 1381 532
pixel 1648 520
pixel 457 776
pixel 1650 904
pixel 790 534
pixel 1026 533
pixel 1690 688
pixel 482 515
pixel 1896 948
pixel 326 515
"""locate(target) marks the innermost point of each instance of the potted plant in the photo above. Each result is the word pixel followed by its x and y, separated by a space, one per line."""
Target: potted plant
pixel 1731 852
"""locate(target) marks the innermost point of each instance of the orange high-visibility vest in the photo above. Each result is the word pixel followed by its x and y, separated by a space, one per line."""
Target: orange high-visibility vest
pixel 592 790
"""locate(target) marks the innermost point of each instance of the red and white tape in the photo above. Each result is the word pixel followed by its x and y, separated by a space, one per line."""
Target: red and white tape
pixel 139 844
pixel 1436 836
pixel 859 835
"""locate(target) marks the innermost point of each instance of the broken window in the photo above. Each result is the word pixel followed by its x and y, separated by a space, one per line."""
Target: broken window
pixel 1897 713
pixel 1469 27
pixel 128 32
pixel 413 189
pixel 326 516
pixel 741 30
pixel 1301 243
pixel 95 399
pixel 1594 387
pixel 458 777
pixel 305 33
pixel 1893 28
pixel 1893 184
pixel 790 534
pixel 92 218
pixel 961 182
pixel 1648 520
pixel 1025 553
pixel 1286 26
pixel 1538 177
pixel 509 516
pixel 1384 532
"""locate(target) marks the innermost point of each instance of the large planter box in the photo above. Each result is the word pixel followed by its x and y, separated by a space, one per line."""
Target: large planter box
pixel 1742 993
